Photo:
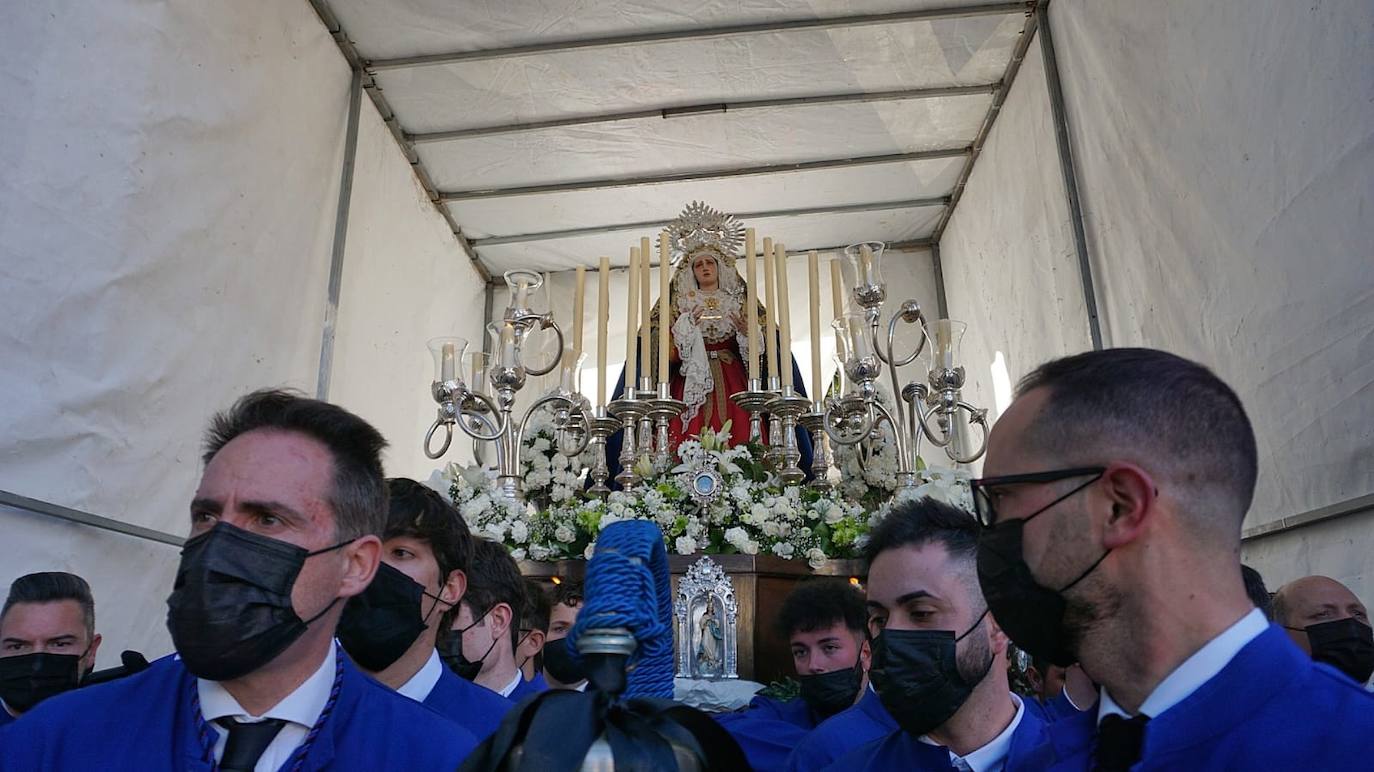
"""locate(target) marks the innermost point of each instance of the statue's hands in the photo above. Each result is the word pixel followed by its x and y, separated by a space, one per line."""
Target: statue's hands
pixel 738 322
pixel 696 314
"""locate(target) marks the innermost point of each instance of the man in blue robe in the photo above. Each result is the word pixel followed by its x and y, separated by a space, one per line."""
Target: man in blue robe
pixel 484 627
pixel 823 621
pixel 851 728
pixel 939 658
pixel 1117 484
pixel 390 630
pixel 534 630
pixel 284 525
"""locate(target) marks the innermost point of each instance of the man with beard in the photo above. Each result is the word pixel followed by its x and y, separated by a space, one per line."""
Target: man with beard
pixel 823 621
pixel 47 640
pixel 1326 620
pixel 284 526
pixel 1116 485
pixel 390 629
pixel 939 658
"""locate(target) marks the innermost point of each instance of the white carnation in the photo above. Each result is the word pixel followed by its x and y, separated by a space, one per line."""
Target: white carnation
pixel 685 545
pixel 519 531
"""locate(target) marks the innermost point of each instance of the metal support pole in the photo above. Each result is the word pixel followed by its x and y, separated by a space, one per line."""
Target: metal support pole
pixel 1066 165
pixel 941 303
pixel 331 309
pixel 40 507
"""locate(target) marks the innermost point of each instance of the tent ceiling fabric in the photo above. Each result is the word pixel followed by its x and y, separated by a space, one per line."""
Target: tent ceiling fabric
pixel 888 200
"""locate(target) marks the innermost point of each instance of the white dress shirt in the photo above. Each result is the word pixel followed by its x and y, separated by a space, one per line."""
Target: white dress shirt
pixel 301 709
pixel 992 757
pixel 514 682
pixel 422 683
pixel 1195 671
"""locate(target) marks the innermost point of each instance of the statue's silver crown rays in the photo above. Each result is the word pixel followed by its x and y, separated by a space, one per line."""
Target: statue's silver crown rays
pixel 702 226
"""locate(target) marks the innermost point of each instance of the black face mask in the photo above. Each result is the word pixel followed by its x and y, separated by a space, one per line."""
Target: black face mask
pixel 230 609
pixel 916 674
pixel 451 652
pixel 28 679
pixel 1031 614
pixel 379 625
pixel 1345 644
pixel 829 693
pixel 559 664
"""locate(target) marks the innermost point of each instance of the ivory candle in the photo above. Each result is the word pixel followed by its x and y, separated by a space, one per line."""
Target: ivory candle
pixel 813 274
pixel 751 312
pixel 632 323
pixel 944 348
pixel 646 311
pixel 837 288
pixel 521 295
pixel 866 264
pixel 508 344
pixel 578 304
pixel 603 311
pixel 665 319
pixel 446 364
pixel 770 308
pixel 784 317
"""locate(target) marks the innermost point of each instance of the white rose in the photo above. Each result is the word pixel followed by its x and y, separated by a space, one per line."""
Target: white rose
pixel 750 548
pixel 518 554
pixel 564 534
pixel 540 552
pixel 685 545
pixel 834 515
pixel 783 550
pixel 736 537
pixel 816 557
pixel 519 531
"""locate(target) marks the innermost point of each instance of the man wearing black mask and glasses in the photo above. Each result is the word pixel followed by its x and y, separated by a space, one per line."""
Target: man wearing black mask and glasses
pixel 284 529
pixel 823 623
pixel 390 629
pixel 939 658
pixel 48 641
pixel 1116 484
pixel 1326 620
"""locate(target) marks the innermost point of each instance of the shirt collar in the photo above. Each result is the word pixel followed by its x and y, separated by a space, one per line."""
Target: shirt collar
pixel 514 682
pixel 422 683
pixel 302 706
pixel 993 755
pixel 1195 671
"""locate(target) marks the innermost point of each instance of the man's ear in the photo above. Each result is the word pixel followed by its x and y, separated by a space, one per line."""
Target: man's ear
pixel 535 642
pixel 865 655
pixel 453 590
pixel 362 557
pixel 997 639
pixel 1131 493
pixel 500 619
pixel 91 653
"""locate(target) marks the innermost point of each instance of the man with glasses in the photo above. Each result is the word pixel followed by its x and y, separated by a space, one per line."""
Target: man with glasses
pixel 1116 485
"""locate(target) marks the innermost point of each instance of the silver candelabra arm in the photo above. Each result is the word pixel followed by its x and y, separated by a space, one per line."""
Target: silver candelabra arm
pixel 454 407
pixel 528 320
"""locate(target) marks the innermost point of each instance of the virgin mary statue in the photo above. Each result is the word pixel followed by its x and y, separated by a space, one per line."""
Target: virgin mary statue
pixel 709 333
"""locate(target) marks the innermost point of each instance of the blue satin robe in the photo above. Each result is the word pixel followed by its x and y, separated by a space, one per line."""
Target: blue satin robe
pixel 1029 750
pixel 475 708
pixel 843 732
pixel 768 729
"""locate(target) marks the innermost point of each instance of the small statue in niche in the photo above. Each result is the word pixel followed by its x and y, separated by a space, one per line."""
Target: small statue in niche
pixel 710 642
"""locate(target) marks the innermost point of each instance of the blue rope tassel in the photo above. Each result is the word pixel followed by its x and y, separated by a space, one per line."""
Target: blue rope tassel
pixel 627 586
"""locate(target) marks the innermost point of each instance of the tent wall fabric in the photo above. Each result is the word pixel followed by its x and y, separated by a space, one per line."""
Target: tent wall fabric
pixel 168 195
pixel 1226 162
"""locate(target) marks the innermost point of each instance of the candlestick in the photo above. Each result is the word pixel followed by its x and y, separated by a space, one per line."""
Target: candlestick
pixel 508 344
pixel 603 303
pixel 751 311
pixel 632 323
pixel 784 318
pixel 578 303
pixel 770 342
pixel 813 274
pixel 646 365
pixel 665 320
pixel 866 264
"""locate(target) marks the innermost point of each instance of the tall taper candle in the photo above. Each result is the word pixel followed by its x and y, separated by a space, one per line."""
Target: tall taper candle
pixel 632 323
pixel 578 306
pixel 770 307
pixel 665 319
pixel 751 311
pixel 603 311
pixel 784 317
pixel 646 364
pixel 813 296
pixel 837 288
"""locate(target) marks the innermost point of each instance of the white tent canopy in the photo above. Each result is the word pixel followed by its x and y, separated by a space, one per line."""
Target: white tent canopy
pixel 197 200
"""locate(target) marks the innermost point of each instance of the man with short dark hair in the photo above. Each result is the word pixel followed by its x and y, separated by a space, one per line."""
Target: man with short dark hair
pixel 1325 619
pixel 560 670
pixel 1116 484
pixel 484 630
pixel 48 641
pixel 823 622
pixel 534 627
pixel 390 629
pixel 939 658
pixel 285 526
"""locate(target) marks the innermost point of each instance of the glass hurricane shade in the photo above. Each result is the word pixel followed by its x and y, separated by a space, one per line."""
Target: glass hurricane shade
pixel 946 337
pixel 448 354
pixel 863 265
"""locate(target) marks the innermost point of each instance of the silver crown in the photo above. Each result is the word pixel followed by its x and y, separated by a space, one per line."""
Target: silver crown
pixel 699 226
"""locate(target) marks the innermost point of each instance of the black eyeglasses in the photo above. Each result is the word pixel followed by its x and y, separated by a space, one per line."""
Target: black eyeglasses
pixel 985 494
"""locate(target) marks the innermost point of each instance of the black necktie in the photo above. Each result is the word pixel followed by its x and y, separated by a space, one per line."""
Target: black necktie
pixel 246 743
pixel 1118 742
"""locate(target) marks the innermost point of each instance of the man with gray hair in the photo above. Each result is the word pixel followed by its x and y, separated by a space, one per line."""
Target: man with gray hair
pixel 1115 488
pixel 48 641
pixel 285 528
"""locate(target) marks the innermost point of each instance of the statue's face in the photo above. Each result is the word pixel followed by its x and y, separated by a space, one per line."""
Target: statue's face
pixel 706 271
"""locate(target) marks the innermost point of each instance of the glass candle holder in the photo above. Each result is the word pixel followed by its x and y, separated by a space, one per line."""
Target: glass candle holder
pixel 448 353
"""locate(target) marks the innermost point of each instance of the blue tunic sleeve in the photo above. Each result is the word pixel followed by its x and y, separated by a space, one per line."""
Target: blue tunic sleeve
pixel 475 708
